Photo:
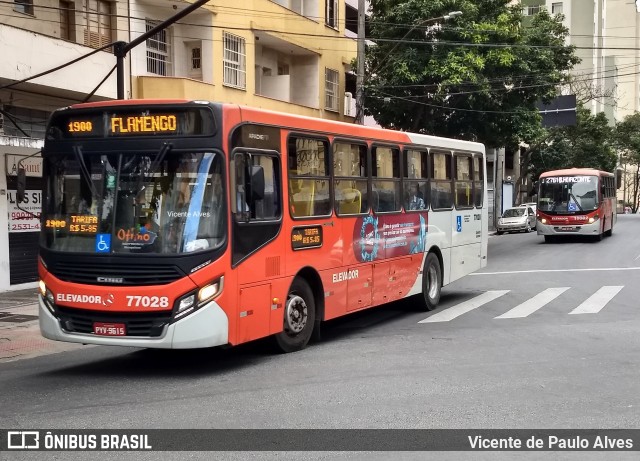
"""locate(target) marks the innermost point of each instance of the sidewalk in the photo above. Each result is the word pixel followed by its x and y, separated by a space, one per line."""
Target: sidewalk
pixel 19 330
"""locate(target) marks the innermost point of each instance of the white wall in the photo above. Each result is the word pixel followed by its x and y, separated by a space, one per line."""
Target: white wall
pixel 27 53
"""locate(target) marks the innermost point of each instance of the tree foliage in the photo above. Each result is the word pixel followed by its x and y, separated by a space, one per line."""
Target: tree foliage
pixel 589 144
pixel 475 77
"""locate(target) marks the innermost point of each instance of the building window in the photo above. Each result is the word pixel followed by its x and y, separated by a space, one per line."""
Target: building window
pixel 67 22
pixel 23 6
pixel 196 59
pixel 532 10
pixel 158 50
pixel 331 17
pixel 556 8
pixel 234 61
pixel 98 23
pixel 331 89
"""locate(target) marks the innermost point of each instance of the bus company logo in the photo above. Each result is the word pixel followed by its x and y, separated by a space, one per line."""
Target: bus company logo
pixel 260 137
pixel 108 301
pixel 345 275
pixel 74 298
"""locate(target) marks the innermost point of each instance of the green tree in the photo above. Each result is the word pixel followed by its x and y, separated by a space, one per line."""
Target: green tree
pixel 588 144
pixel 627 141
pixel 475 77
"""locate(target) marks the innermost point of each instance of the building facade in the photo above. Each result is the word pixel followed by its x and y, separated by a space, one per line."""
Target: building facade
pixel 287 55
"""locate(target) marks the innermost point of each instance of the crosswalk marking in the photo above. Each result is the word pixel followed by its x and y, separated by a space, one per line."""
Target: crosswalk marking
pixel 464 307
pixel 594 303
pixel 531 305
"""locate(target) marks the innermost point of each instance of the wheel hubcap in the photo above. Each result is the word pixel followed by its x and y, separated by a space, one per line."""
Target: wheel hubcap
pixel 432 279
pixel 296 314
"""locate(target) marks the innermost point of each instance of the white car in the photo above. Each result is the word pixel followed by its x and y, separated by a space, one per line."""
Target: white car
pixel 521 218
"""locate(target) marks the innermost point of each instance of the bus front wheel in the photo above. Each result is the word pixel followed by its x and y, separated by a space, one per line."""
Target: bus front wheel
pixel 299 318
pixel 431 282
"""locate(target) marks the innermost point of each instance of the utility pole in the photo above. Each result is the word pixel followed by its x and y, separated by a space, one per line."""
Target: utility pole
pixel 497 185
pixel 360 70
pixel 120 49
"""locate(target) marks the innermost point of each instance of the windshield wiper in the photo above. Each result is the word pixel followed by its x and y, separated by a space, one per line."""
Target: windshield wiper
pixel 166 147
pixel 77 150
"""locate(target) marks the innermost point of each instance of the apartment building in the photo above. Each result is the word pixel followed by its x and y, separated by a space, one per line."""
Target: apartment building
pixel 287 55
pixel 607 36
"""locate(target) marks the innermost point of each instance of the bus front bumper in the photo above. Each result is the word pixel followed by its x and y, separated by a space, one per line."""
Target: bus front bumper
pixel 206 327
pixel 569 229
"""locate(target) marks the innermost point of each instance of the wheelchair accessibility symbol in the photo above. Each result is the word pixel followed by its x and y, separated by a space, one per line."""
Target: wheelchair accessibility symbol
pixel 459 223
pixel 103 243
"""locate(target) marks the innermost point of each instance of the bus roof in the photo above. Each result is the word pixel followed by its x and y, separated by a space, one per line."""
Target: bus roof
pixel 301 122
pixel 576 171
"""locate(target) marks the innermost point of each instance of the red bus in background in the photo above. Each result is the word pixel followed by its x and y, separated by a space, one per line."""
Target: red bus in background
pixel 576 201
pixel 186 224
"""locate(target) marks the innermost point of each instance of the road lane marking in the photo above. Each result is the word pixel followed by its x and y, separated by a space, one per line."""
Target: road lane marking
pixel 531 305
pixel 533 271
pixel 464 307
pixel 594 303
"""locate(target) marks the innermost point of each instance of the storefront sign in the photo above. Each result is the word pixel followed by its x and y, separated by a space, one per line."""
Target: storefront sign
pixel 23 220
pixel 31 165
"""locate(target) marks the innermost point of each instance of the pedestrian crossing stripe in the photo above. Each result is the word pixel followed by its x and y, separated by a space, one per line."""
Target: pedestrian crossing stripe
pixel 592 305
pixel 597 301
pixel 464 307
pixel 531 305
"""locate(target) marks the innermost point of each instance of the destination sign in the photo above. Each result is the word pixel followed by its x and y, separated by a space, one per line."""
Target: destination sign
pixel 161 121
pixel 144 124
pixel 306 237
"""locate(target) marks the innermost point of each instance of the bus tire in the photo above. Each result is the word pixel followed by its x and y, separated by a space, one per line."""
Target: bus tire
pixel 609 233
pixel 299 318
pixel 431 282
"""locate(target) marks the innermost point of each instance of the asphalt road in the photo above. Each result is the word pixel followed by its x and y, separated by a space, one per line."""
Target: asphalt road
pixel 546 336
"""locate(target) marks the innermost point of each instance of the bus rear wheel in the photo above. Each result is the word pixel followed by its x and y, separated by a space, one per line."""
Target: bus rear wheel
pixel 431 282
pixel 299 318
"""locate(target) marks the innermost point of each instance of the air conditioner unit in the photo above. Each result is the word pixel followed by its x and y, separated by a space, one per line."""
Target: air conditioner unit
pixel 349 105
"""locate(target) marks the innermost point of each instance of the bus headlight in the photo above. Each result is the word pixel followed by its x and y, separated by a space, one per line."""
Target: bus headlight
pixel 47 296
pixel 193 301
pixel 543 220
pixel 210 291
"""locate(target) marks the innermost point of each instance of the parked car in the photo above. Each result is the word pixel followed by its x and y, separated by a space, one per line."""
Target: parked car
pixel 517 219
pixel 533 205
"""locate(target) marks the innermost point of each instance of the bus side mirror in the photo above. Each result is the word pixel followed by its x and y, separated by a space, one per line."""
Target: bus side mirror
pixel 257 182
pixel 21 184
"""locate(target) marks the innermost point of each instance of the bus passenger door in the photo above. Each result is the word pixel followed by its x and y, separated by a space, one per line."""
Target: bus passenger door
pixel 359 287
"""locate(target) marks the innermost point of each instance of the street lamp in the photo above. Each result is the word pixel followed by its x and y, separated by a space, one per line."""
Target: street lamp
pixel 360 75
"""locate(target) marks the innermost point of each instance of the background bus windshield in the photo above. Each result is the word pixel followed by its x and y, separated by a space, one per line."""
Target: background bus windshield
pixel 568 194
pixel 163 202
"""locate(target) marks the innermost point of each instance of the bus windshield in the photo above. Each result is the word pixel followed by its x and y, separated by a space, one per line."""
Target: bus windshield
pixel 568 194
pixel 162 202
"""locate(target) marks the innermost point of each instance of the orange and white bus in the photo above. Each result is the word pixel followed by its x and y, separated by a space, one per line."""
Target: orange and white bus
pixel 187 224
pixel 576 201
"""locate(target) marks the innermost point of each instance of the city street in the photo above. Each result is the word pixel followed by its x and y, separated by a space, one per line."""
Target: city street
pixel 546 336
